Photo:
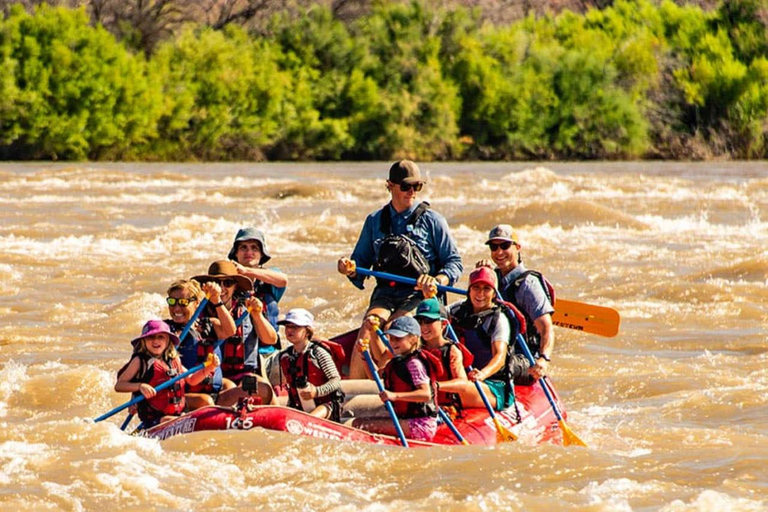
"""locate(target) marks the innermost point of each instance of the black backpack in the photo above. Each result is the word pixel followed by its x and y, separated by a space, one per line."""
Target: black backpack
pixel 399 254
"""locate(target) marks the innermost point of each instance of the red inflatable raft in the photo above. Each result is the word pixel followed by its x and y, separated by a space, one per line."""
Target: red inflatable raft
pixel 537 423
pixel 532 420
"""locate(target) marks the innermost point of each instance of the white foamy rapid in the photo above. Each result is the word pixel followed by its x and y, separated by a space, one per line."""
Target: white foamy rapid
pixel 673 408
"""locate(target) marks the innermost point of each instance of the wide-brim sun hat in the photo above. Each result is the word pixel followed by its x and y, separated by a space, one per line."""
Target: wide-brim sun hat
pixel 224 269
pixel 156 327
pixel 250 233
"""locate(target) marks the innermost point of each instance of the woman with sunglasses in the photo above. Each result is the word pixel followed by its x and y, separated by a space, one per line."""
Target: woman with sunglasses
pixel 403 238
pixel 240 352
pixel 184 297
pixel 529 292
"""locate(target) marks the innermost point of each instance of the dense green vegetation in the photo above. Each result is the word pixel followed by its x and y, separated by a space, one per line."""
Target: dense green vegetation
pixel 639 79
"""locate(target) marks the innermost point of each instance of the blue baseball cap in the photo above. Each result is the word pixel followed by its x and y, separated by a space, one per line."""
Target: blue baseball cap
pixel 403 326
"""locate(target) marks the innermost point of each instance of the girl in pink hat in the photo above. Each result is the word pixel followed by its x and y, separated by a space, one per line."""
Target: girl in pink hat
pixel 154 361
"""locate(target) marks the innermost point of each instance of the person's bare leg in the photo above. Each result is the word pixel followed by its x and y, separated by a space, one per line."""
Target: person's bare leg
pixel 198 400
pixel 357 363
pixel 321 411
pixel 471 398
pixel 231 396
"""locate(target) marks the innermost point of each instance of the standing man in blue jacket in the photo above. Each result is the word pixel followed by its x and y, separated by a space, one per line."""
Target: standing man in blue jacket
pixel 404 238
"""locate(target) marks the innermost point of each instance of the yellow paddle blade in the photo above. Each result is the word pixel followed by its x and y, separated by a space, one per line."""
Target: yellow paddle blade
pixel 503 435
pixel 586 317
pixel 569 437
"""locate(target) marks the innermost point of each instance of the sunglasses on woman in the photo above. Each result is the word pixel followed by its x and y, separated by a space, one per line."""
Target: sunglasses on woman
pixel 228 282
pixel 503 246
pixel 172 301
pixel 406 187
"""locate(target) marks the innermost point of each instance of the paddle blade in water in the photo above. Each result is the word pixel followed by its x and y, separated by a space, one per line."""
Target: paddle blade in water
pixel 586 317
pixel 503 435
pixel 569 438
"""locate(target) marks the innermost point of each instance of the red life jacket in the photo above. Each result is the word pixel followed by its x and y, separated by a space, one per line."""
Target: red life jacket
pixel 444 354
pixel 302 368
pixel 207 345
pixel 167 402
pixel 233 349
pixel 398 378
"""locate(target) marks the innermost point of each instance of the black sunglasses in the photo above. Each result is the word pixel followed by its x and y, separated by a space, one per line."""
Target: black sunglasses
pixel 228 282
pixel 424 320
pixel 406 187
pixel 181 302
pixel 503 245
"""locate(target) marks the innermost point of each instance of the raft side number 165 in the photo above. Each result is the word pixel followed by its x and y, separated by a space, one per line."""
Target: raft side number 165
pixel 240 424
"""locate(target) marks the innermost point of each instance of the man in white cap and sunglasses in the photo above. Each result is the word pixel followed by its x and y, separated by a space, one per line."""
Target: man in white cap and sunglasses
pixel 531 293
pixel 406 239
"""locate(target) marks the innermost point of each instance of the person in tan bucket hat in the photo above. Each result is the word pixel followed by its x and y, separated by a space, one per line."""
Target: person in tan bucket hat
pixel 240 352
pixel 225 272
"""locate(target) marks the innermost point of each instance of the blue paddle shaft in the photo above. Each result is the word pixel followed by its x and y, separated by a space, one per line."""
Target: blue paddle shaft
pixel 479 387
pixel 447 420
pixel 183 335
pixel 167 383
pixel 406 280
pixel 387 404
pixel 194 317
pixel 532 362
pixel 384 339
pixel 442 413
pixel 126 422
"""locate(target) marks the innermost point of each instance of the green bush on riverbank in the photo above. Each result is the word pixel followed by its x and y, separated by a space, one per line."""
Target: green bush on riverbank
pixel 638 79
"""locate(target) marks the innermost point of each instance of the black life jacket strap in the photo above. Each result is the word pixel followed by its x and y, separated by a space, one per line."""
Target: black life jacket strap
pixel 386 217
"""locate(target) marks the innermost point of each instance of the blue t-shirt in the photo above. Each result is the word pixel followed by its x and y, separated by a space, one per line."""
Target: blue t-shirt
pixel 530 298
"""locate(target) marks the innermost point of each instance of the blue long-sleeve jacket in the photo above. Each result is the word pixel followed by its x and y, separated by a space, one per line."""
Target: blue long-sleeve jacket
pixel 430 233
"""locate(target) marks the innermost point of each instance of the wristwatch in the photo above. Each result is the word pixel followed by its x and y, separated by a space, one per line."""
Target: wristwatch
pixel 545 357
pixel 218 304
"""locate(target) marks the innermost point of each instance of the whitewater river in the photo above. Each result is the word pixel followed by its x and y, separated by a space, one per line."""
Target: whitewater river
pixel 674 409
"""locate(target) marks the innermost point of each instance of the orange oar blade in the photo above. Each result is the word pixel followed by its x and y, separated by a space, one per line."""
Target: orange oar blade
pixel 503 435
pixel 569 438
pixel 586 317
